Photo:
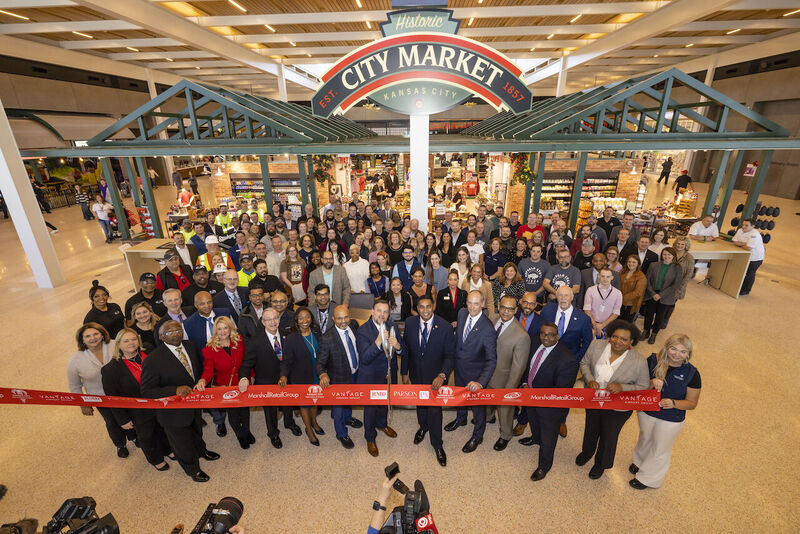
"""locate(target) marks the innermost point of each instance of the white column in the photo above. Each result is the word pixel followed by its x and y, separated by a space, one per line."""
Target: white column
pixel 418 178
pixel 562 76
pixel 151 87
pixel 24 210
pixel 284 97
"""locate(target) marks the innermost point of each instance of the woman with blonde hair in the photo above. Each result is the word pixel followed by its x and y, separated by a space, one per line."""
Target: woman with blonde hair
pixel 122 377
pixel 612 257
pixel 395 247
pixel 679 384
pixel 222 358
pixel 477 281
pixel 143 322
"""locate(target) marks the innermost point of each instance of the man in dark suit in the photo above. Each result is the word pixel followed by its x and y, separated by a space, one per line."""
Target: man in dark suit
pixel 174 368
pixel 625 245
pixel 377 345
pixel 264 356
pixel 232 297
pixel 646 256
pixel 474 362
pixel 429 342
pixel 589 277
pixel 337 363
pixel 250 319
pixel 550 365
pixel 459 234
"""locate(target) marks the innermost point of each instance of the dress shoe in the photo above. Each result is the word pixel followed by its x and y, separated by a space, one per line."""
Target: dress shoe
pixel 372 448
pixel 294 429
pixel 346 442
pixel 314 443
pixel 163 467
pixel 419 436
pixel 471 445
pixel 389 431
pixel 652 338
pixel 441 457
pixel 528 441
pixel 243 442
pixel 276 442
pixel 519 430
pixel 136 442
pixel 633 469
pixel 203 422
pixel 251 438
pixel 492 420
pixel 500 444
pixel 319 431
pixel 539 474
pixel 581 459
pixel 645 335
pixel 455 423
pixel 171 456
pixel 595 472
pixel 222 430
pixel 635 484
pixel 353 422
pixel 562 430
pixel 200 477
pixel 122 452
pixel 210 456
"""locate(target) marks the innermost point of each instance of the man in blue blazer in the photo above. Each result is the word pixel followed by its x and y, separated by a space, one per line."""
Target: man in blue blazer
pixel 430 343
pixel 200 325
pixel 377 344
pixel 474 362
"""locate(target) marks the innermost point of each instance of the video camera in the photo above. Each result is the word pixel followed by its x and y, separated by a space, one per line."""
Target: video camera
pixel 77 515
pixel 414 516
pixel 219 518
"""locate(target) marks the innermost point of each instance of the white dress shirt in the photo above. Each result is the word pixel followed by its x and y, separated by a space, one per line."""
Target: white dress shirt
pixel 547 351
pixel 754 241
pixel 502 325
pixel 700 230
pixel 208 326
pixel 183 252
pixel 347 333
pixel 567 317
pixel 422 324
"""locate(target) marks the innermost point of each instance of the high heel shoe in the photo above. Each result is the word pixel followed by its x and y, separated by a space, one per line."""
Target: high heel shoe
pixel 319 431
pixel 315 441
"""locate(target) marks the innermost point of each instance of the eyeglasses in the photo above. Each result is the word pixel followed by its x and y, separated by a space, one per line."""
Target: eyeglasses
pixel 508 308
pixel 170 332
pixel 281 301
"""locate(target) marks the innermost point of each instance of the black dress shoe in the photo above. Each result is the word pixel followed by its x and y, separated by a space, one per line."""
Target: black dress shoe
pixel 471 445
pixel 528 441
pixel 353 422
pixel 122 452
pixel 294 429
pixel 492 420
pixel 419 436
pixel 500 444
pixel 652 339
pixel 210 456
pixel 251 438
pixel 244 442
pixel 200 477
pixel 539 474
pixel 595 472
pixel 441 457
pixel 633 469
pixel 222 430
pixel 635 484
pixel 455 423
pixel 645 335
pixel 203 422
pixel 164 467
pixel 346 442
pixel 314 443
pixel 581 459
pixel 319 431
pixel 276 442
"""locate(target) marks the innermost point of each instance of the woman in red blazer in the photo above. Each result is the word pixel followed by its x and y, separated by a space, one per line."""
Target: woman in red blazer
pixel 221 360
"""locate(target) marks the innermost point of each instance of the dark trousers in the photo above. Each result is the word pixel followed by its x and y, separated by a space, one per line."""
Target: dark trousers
pixel 240 421
pixel 750 277
pixel 119 436
pixel 430 420
pixel 478 412
pixel 152 439
pixel 218 415
pixel 626 313
pixel 87 213
pixel 288 416
pixel 664 176
pixel 522 416
pixel 187 444
pixel 374 417
pixel 655 314
pixel 341 414
pixel 601 433
pixel 271 416
pixel 545 424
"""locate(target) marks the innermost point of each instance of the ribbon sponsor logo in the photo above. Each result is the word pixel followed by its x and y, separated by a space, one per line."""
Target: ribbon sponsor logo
pixel 314 393
pixel 513 395
pixel 20 394
pixel 378 394
pixel 601 396
pixel 445 393
pixel 424 394
pixel 89 398
pixel 230 395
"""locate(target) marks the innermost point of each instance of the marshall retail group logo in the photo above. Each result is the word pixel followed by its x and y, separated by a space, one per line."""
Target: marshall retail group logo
pixel 20 394
pixel 314 393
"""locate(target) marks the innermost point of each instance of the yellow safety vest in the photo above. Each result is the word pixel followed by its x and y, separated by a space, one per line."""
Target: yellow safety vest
pixel 224 222
pixel 205 259
pixel 188 235
pixel 244 278
pixel 259 214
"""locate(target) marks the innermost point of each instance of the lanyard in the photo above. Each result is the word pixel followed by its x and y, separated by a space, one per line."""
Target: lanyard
pixel 607 294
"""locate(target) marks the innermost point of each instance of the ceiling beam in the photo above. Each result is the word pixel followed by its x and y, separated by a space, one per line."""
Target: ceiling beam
pixel 66 26
pixel 139 56
pixel 89 44
pixel 30 4
pixel 211 72
pixel 167 65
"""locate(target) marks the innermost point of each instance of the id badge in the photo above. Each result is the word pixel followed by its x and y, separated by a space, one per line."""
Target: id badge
pixel 602 308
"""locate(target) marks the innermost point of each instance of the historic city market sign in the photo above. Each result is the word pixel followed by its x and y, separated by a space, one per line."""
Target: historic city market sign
pixel 421 66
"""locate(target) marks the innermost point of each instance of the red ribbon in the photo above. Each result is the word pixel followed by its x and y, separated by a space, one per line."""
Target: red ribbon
pixel 352 394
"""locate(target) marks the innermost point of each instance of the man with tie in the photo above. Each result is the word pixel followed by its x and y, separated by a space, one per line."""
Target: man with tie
pixel 377 344
pixel 174 368
pixel 550 365
pixel 264 354
pixel 232 297
pixel 429 342
pixel 513 348
pixel 337 363
pixel 474 362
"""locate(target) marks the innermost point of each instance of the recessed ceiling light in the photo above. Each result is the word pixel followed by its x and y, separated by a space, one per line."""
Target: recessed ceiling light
pixel 270 28
pixel 733 31
pixel 198 68
pixel 358 3
pixel 369 26
pixel 655 55
pixel 532 49
pixel 790 13
pixel 308 54
pixel 471 20
pixel 10 14
pixel 575 18
pixel 83 35
pixel 170 59
pixel 237 6
pixel 550 36
pixel 689 45
pixel 480 1
pixel 132 49
pixel 292 43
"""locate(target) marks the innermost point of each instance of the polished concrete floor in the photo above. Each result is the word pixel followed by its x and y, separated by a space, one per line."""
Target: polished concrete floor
pixel 733 467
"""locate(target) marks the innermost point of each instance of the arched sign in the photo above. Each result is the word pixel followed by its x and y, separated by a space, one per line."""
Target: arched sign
pixel 421 66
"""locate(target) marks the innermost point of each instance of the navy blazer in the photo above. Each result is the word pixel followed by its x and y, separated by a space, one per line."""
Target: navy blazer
pixel 559 370
pixel 533 327
pixel 221 300
pixel 195 326
pixel 424 368
pixel 373 367
pixel 476 358
pixel 577 334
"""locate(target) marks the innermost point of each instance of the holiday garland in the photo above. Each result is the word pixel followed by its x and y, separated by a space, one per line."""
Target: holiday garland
pixel 322 164
pixel 522 171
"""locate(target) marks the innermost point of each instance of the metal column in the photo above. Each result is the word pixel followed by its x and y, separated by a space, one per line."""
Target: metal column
pixel 267 185
pixel 537 190
pixel 526 206
pixel 303 180
pixel 313 187
pixel 731 181
pixel 716 181
pixel 754 190
pixel 150 199
pixel 576 192
pixel 137 195
pixel 113 189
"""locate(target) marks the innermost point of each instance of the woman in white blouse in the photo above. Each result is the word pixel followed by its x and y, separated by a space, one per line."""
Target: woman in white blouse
pixel 613 365
pixel 83 376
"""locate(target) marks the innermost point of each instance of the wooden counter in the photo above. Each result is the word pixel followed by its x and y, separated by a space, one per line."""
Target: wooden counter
pixel 728 264
pixel 144 258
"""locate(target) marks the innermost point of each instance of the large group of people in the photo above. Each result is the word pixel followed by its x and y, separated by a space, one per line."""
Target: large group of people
pixel 248 297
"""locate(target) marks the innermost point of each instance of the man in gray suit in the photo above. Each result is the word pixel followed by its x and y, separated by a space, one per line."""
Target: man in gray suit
pixel 322 309
pixel 513 347
pixel 333 276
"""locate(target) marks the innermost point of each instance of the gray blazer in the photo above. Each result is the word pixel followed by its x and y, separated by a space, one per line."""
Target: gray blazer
pixel 513 348
pixel 340 292
pixel 632 374
pixel 672 283
pixel 632 238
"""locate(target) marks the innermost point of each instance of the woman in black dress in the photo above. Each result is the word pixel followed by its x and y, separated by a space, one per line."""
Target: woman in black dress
pixel 143 320
pixel 399 300
pixel 106 314
pixel 299 363
pixel 395 247
pixel 385 264
pixel 447 249
pixel 420 289
pixel 520 251
pixel 450 300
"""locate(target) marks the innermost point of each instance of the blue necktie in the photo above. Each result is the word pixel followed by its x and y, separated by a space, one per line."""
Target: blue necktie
pixel 467 330
pixel 424 341
pixel 210 328
pixel 351 351
pixel 561 325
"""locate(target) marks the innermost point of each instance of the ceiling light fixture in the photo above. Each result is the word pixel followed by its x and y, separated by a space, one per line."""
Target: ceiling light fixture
pixel 83 35
pixel 790 13
pixel 292 43
pixel 308 54
pixel 533 49
pixel 132 49
pixel 689 45
pixel 733 31
pixel 198 68
pixel 480 1
pixel 237 6
pixel 575 18
pixel 550 36
pixel 270 28
pixel 369 26
pixel 471 20
pixel 170 59
pixel 655 55
pixel 10 14
pixel 358 3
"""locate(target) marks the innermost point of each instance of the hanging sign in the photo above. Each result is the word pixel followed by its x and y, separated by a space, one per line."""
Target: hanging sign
pixel 421 66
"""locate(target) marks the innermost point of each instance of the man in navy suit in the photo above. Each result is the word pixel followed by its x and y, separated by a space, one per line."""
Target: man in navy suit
pixel 430 343
pixel 232 297
pixel 377 345
pixel 550 365
pixel 475 361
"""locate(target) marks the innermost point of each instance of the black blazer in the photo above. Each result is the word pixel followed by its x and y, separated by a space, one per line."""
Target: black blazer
pixel 405 306
pixel 162 373
pixel 119 382
pixel 297 364
pixel 221 300
pixel 332 358
pixel 423 368
pixel 559 370
pixel 444 305
pixel 260 356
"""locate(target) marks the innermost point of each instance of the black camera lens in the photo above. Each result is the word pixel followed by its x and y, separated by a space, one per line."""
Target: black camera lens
pixel 227 514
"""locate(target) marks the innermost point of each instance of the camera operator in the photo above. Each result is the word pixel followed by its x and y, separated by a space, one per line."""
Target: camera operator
pixel 378 517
